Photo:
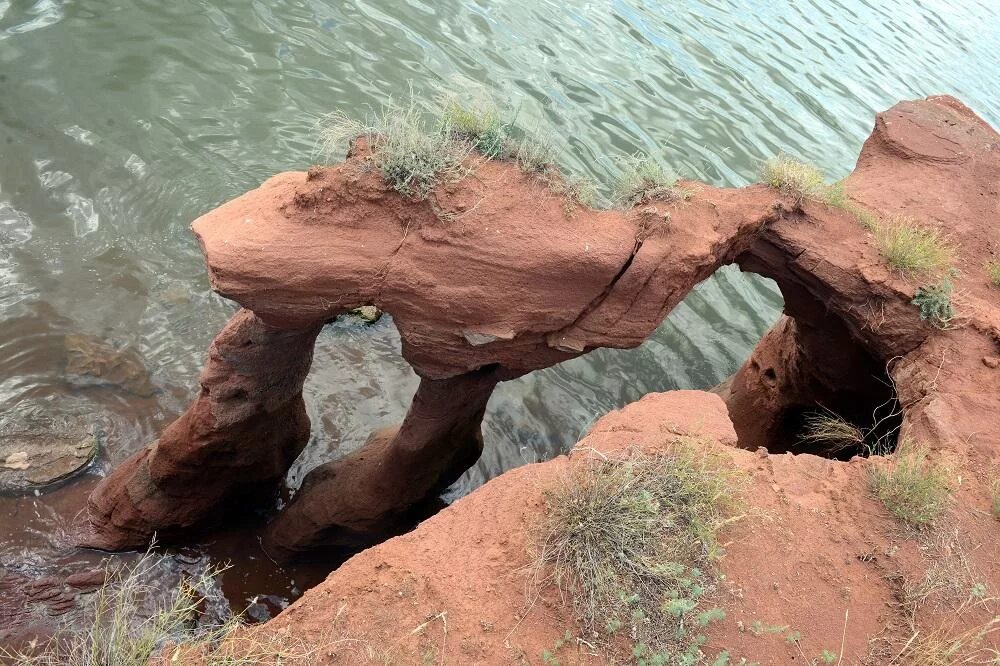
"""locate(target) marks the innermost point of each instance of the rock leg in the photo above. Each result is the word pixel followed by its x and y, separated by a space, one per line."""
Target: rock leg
pixel 241 434
pixel 365 496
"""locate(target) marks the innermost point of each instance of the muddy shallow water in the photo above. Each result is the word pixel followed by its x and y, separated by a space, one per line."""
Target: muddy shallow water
pixel 122 122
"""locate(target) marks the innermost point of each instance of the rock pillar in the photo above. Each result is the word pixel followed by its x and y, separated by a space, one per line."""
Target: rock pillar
pixel 238 438
pixel 365 496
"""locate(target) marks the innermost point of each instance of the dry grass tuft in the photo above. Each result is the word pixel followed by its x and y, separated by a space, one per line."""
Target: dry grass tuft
pixel 913 489
pixel 830 433
pixel 950 646
pixel 643 179
pixel 632 541
pixel 912 249
pixel 410 156
pixel 802 181
pixel 993 271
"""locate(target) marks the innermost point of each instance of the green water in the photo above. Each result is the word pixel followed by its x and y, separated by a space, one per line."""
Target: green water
pixel 120 122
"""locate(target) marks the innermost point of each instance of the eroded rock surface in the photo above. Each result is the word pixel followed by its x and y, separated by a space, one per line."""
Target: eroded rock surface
pixel 36 455
pixel 494 274
pixel 235 442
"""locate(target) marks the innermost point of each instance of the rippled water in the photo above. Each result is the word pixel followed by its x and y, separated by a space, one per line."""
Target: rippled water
pixel 120 122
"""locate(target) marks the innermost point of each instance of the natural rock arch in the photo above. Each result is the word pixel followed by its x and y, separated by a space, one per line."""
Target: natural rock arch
pixel 491 278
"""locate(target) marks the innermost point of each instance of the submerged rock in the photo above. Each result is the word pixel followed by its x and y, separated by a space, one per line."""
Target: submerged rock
pixel 33 458
pixel 94 361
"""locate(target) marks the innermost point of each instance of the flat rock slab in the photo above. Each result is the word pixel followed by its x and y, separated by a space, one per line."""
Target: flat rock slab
pixel 30 460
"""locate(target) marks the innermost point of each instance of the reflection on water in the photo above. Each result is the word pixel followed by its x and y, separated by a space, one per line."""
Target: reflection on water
pixel 120 122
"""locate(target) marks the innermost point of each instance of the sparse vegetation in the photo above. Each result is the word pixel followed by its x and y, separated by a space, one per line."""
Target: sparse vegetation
pixel 632 541
pixel 410 156
pixel 950 646
pixel 829 433
pixel 993 271
pixel 802 181
pixel 482 126
pixel 125 631
pixel 912 249
pixel 414 150
pixel 912 488
pixel 934 302
pixel 643 179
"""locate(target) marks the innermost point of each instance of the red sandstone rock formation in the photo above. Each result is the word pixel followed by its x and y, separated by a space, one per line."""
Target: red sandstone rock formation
pixel 819 554
pixel 492 275
pixel 237 440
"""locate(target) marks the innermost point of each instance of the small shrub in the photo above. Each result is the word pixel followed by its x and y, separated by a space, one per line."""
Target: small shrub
pixel 993 271
pixel 643 179
pixel 410 157
pixel 914 490
pixel 533 156
pixel 830 433
pixel 482 126
pixel 801 181
pixel 632 540
pixel 911 249
pixel 934 303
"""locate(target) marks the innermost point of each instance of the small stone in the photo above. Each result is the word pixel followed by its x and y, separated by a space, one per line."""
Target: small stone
pixel 991 361
pixel 367 313
pixel 17 460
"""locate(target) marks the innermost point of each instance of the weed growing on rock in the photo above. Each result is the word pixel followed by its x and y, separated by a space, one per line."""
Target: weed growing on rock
pixel 410 157
pixel 643 179
pixel 912 249
pixel 482 126
pixel 632 540
pixel 993 271
pixel 913 489
pixel 801 181
pixel 934 302
pixel 534 157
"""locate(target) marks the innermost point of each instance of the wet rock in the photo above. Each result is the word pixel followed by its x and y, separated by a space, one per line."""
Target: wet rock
pixel 32 459
pixel 235 442
pixel 93 361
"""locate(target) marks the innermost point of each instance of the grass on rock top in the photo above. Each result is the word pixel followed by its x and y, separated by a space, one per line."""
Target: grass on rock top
pixel 642 179
pixel 914 489
pixel 802 181
pixel 632 540
pixel 912 249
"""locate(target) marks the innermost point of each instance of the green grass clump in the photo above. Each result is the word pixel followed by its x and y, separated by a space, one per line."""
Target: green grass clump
pixel 643 179
pixel 410 156
pixel 912 249
pixel 131 627
pixel 802 181
pixel 993 271
pixel 934 302
pixel 913 489
pixel 482 126
pixel 632 540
